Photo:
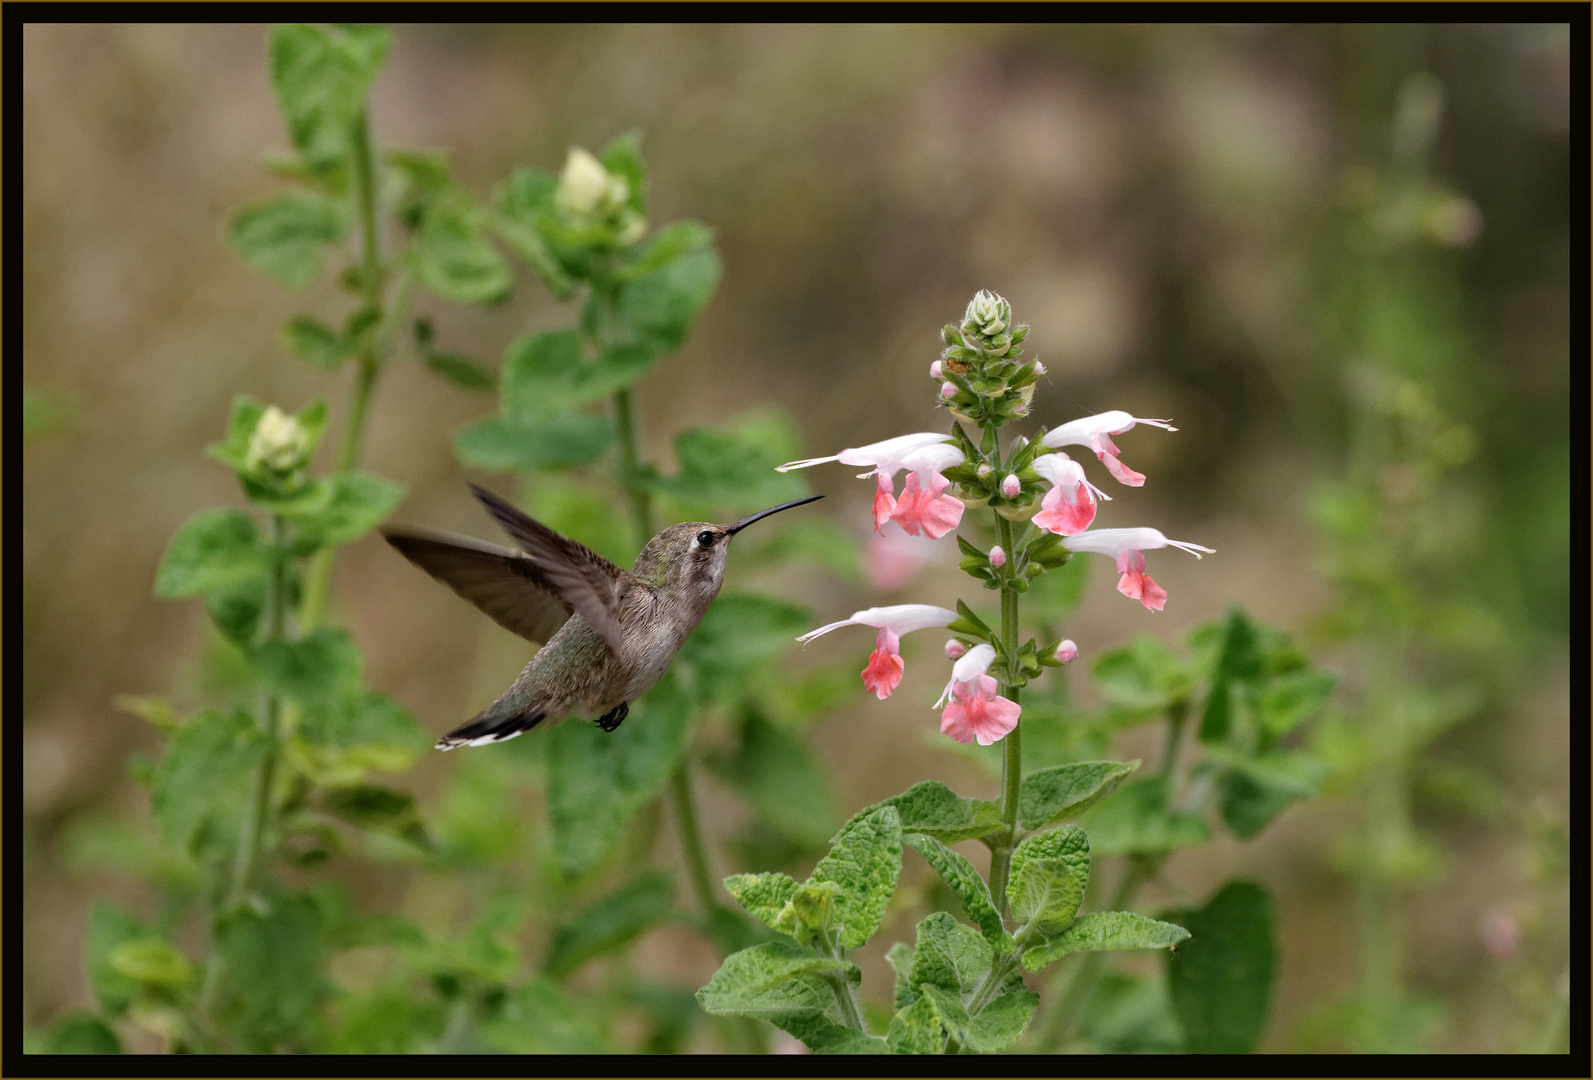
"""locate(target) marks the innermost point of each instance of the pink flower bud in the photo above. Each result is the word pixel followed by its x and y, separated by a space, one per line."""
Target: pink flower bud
pixel 1011 486
pixel 997 556
pixel 948 390
pixel 954 648
pixel 934 370
pixel 984 469
pixel 1039 368
pixel 1067 652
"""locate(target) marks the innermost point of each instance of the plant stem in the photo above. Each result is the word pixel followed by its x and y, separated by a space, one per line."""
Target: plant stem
pixel 1012 745
pixel 680 799
pixel 368 363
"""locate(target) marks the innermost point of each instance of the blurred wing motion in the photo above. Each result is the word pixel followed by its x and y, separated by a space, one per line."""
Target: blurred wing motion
pixel 505 584
pixel 586 581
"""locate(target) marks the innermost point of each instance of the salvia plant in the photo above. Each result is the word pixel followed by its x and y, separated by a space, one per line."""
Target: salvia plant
pixel 277 777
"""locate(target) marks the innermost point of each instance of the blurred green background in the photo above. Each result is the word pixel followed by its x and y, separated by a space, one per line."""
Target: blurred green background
pixel 1184 214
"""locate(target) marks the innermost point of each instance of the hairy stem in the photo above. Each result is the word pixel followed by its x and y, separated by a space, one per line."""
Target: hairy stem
pixel 1012 745
pixel 368 363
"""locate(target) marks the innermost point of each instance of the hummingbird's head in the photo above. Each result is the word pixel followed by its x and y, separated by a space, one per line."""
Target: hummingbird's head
pixel 688 559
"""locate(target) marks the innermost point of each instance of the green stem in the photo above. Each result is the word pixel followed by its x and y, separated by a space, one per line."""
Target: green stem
pixel 368 363
pixel 630 466
pixel 1012 745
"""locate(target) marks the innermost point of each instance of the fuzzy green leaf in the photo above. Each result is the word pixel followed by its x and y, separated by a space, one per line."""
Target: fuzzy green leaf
pixel 610 923
pixel 598 779
pixel 214 551
pixel 365 731
pixel 865 861
pixel 321 76
pixel 948 955
pixel 357 503
pixel 1049 873
pixel 766 897
pixel 322 666
pixel 658 308
pixel 538 1018
pixel 784 984
pixel 900 957
pixel 501 445
pixel 732 467
pixel 274 962
pixel 674 240
pixel 1103 931
pixel 283 236
pixel 452 257
pixel 916 1029
pixel 965 881
pixel 1240 659
pixel 1290 700
pixel 1221 981
pixel 205 774
pixel 1063 791
pixel 314 342
pixel 932 808
pixel 462 371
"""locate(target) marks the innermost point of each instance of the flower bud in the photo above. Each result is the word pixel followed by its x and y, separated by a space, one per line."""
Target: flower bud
pixel 279 444
pixel 948 390
pixel 984 469
pixel 997 556
pixel 955 649
pixel 934 370
pixel 582 185
pixel 1011 486
pixel 1066 653
pixel 1039 368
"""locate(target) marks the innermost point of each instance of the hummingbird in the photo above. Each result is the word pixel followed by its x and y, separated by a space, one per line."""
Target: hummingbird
pixel 607 635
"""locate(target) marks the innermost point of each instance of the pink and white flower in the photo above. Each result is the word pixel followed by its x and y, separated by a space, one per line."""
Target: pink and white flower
pixel 954 648
pixel 998 558
pixel 1096 433
pixel 1066 652
pixel 883 673
pixel 1126 546
pixel 1069 506
pixel 1011 485
pixel 975 710
pixel 923 509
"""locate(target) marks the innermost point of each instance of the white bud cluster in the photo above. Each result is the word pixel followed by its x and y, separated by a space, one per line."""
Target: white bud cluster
pixel 279 443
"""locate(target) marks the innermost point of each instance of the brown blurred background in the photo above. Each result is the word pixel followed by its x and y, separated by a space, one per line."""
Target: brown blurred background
pixel 1149 198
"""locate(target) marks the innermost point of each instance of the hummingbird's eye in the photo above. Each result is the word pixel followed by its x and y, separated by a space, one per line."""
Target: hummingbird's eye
pixel 705 539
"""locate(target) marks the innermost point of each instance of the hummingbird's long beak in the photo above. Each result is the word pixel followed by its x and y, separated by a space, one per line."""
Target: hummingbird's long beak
pixel 761 514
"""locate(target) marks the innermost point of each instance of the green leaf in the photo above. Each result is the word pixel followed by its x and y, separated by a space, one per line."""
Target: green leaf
pixel 283 236
pixel 500 445
pixel 623 157
pixel 1239 660
pixel 610 923
pixel 1290 700
pixel 364 731
pixel 205 773
pixel 1102 931
pixel 214 551
pixel 388 1019
pixel 242 418
pixel 1256 789
pixel 900 957
pixel 766 898
pixel 1001 1023
pixel 779 775
pixel 150 961
pixel 784 984
pixel 462 371
pixel 274 964
pixel 1056 593
pixel 108 928
pixel 1130 1014
pixel 453 259
pixel 379 809
pixel 1136 821
pixel 538 1018
pixel 1049 873
pixel 547 374
pixel 81 1032
pixel 932 808
pixel 314 342
pixel 965 881
pixel 740 636
pixel 323 665
pixel 732 468
pixel 598 779
pixel 948 955
pixel 321 76
pixel 519 206
pixel 236 609
pixel 674 240
pixel 916 1029
pixel 357 504
pixel 1049 795
pixel 1221 981
pixel 1147 676
pixel 658 308
pixel 865 861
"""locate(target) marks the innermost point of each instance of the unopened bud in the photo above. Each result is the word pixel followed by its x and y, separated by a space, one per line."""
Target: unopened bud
pixel 1066 653
pixel 1039 368
pixel 582 184
pixel 948 390
pixel 279 443
pixel 954 649
pixel 997 556
pixel 1011 486
pixel 934 370
pixel 984 469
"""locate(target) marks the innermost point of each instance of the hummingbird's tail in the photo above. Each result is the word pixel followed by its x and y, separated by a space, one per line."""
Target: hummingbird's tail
pixel 493 726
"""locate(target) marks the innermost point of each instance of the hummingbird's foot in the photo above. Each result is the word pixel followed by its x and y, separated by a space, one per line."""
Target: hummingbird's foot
pixel 614 717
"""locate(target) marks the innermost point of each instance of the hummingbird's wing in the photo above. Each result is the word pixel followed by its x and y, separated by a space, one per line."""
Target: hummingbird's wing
pixel 588 582
pixel 507 585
